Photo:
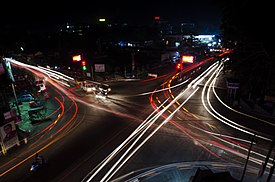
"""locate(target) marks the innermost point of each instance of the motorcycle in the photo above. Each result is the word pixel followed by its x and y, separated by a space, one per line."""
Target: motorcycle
pixel 37 165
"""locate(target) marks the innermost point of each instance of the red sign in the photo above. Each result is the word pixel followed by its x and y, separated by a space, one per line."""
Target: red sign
pixel 157 17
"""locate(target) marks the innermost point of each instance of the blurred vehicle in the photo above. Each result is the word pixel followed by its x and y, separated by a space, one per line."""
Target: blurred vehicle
pixel 88 86
pixel 25 98
pixel 38 164
pixel 104 89
pixel 95 87
pixel 41 85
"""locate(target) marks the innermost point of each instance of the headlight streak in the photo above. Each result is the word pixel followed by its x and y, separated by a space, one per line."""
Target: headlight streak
pixel 52 141
pixel 216 95
pixel 185 131
pixel 181 128
pixel 123 144
pixel 158 115
pixel 147 93
pixel 203 75
pixel 24 160
pixel 222 135
pixel 243 148
pixel 58 73
pixel 203 102
pixel 48 144
pixel 251 158
pixel 172 95
pixel 221 117
pixel 148 137
pixel 57 76
pixel 232 151
pixel 240 146
pixel 21 153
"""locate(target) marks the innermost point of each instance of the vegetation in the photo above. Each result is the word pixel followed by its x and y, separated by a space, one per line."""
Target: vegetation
pixel 247 28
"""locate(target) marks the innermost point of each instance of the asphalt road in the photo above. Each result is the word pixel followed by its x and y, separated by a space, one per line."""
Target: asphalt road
pixel 101 125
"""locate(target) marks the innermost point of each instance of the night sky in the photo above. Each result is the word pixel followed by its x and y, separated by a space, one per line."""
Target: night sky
pixel 46 13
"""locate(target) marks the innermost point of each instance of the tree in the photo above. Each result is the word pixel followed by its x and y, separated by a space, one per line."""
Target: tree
pixel 246 25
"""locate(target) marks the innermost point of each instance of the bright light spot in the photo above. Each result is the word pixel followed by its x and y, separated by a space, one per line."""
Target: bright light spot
pixel 187 59
pixel 77 58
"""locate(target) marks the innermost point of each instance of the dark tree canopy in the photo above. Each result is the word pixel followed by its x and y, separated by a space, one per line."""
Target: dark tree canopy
pixel 248 25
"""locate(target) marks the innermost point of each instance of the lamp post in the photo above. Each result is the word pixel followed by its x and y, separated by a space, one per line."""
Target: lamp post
pixel 133 62
pixel 247 159
pixel 16 101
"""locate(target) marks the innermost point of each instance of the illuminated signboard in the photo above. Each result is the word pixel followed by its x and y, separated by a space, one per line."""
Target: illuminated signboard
pixel 187 59
pixel 77 58
pixel 157 17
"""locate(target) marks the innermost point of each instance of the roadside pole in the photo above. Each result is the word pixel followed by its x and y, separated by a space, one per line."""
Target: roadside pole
pixel 16 101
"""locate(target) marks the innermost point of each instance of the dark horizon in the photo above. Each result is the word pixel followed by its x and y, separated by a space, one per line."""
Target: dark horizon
pixel 50 14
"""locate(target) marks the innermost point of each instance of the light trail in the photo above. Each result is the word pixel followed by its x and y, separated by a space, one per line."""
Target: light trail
pixel 139 128
pixel 203 75
pixel 146 139
pixel 164 89
pixel 57 76
pixel 222 118
pixel 122 145
pixel 241 113
pixel 218 115
pixel 47 129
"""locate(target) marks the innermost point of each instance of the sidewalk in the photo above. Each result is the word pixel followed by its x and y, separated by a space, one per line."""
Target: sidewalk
pixel 29 126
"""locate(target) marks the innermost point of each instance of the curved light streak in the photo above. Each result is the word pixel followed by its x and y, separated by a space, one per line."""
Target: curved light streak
pixel 146 139
pixel 244 114
pixel 233 124
pixel 147 93
pixel 122 145
pixel 51 142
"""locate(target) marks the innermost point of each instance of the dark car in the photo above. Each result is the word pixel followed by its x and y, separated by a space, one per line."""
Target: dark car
pixel 25 98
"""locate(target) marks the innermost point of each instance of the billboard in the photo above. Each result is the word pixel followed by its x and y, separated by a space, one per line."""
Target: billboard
pixel 187 59
pixel 77 58
pixel 9 135
pixel 99 68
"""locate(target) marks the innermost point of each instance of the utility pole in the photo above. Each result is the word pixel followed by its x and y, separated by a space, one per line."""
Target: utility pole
pixel 133 62
pixel 92 73
pixel 16 101
pixel 271 170
pixel 247 159
pixel 266 160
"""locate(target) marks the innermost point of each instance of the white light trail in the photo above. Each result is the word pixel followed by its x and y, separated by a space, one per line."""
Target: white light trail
pixel 203 75
pixel 217 115
pixel 57 76
pixel 244 114
pixel 147 93
pixel 123 144
pixel 146 139
pixel 153 119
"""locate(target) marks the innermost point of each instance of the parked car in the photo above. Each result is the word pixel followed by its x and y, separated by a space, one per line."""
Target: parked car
pixel 25 98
